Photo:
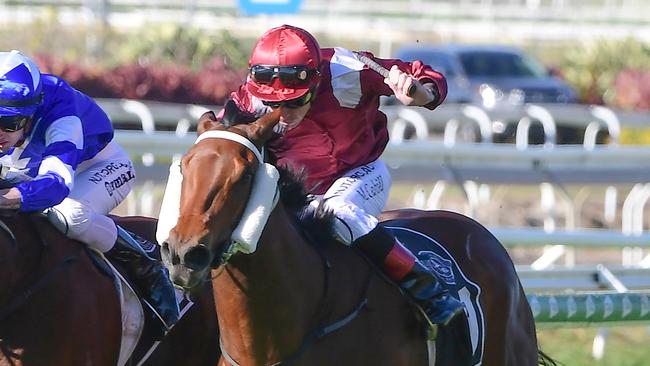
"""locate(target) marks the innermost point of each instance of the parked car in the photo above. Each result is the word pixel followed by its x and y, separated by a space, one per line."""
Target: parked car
pixel 491 75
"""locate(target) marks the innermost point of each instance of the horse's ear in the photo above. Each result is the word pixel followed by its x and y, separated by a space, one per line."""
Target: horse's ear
pixel 208 121
pixel 232 115
pixel 262 129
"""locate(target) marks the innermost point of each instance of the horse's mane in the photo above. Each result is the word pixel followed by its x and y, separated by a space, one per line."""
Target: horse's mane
pixel 319 222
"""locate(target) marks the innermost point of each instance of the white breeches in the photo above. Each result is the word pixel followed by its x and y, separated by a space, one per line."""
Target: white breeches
pixel 100 185
pixel 356 199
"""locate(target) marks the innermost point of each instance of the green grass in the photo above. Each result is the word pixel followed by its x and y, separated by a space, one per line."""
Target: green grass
pixel 625 346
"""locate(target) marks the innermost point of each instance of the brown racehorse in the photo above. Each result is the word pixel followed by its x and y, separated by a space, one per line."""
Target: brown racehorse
pixel 58 308
pixel 293 301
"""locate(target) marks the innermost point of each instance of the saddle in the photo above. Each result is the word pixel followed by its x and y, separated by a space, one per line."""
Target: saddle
pixel 139 319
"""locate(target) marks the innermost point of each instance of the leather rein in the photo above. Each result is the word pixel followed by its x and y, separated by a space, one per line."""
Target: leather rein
pixel 323 329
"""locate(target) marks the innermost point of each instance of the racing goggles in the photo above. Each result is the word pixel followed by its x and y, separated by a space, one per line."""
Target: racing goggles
pixel 293 103
pixel 13 123
pixel 291 76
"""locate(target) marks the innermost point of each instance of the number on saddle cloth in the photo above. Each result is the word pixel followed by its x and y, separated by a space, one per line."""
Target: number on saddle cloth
pixel 441 263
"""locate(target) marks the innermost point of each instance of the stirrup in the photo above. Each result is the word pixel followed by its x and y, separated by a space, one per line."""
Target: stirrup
pixel 162 325
pixel 131 242
pixel 430 328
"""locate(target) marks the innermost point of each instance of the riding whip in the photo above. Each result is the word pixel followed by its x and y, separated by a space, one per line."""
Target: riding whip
pixel 382 71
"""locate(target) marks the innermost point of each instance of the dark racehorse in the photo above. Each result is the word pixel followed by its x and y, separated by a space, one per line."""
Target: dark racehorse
pixel 296 301
pixel 58 308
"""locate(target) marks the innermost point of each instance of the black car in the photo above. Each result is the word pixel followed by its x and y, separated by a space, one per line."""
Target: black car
pixel 491 75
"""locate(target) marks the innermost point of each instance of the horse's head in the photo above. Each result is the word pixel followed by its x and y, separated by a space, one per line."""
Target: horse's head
pixel 218 174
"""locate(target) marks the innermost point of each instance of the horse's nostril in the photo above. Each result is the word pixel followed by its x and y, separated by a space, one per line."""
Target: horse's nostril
pixel 197 257
pixel 168 254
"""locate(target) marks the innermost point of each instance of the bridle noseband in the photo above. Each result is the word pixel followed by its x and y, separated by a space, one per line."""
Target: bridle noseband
pixel 323 329
pixel 232 246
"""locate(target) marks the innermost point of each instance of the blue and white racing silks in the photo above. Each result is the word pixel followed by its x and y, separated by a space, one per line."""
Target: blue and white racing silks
pixel 68 128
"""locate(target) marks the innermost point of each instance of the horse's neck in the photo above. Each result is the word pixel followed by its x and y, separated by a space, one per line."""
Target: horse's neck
pixel 275 290
pixel 37 253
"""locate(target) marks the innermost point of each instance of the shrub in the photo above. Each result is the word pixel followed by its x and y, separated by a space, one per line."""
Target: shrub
pixel 609 72
pixel 212 84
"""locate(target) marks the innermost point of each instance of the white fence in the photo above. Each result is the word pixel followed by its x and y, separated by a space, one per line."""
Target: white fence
pixel 436 156
pixel 551 288
pixel 445 160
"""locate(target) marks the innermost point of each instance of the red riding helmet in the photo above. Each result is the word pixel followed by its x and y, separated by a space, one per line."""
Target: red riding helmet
pixel 284 64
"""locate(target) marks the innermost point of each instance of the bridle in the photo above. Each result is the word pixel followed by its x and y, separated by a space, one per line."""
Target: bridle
pixel 322 329
pixel 231 247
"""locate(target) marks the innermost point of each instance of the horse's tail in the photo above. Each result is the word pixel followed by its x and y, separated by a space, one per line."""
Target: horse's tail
pixel 546 360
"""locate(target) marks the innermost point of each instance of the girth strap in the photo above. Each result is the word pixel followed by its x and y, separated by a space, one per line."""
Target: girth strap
pixel 312 337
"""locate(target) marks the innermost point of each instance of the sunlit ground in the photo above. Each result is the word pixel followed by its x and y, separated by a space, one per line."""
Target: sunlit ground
pixel 624 346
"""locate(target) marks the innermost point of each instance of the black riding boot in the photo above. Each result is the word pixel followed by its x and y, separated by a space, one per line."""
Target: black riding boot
pixel 151 279
pixel 413 277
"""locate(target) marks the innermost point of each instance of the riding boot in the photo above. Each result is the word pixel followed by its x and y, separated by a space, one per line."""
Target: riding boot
pixel 151 280
pixel 410 274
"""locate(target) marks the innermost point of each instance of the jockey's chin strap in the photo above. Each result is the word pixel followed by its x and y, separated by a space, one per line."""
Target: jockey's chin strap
pixel 245 236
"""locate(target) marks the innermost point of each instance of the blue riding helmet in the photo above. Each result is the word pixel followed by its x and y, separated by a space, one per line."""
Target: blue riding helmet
pixel 21 88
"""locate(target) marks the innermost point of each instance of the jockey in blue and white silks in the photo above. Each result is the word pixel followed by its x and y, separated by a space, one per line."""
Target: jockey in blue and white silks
pixel 58 155
pixel 67 133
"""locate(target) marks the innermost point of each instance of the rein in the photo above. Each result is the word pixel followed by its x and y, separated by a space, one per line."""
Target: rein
pixel 321 330
pixel 233 247
pixel 24 296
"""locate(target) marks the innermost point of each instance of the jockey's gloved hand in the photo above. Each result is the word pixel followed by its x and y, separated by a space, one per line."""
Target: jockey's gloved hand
pixel 400 82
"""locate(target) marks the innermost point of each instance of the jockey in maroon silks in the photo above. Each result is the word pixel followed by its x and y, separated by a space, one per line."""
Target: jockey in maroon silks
pixel 331 127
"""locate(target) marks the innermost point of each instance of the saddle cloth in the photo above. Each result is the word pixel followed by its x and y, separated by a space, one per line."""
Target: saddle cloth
pixel 439 261
pixel 136 312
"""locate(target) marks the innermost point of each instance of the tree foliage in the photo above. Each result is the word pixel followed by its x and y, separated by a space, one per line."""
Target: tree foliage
pixel 616 73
